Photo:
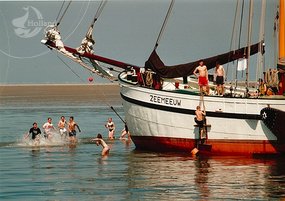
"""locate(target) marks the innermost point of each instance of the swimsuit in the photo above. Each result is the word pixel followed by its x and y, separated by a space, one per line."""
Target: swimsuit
pixel 202 81
pixel 219 80
pixel 72 133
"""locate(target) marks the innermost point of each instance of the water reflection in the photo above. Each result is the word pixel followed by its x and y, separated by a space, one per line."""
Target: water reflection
pixel 164 176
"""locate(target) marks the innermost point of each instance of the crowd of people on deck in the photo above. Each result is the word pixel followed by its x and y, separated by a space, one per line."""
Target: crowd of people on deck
pixel 68 130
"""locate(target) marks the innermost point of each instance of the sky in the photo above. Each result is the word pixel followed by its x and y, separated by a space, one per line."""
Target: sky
pixel 126 31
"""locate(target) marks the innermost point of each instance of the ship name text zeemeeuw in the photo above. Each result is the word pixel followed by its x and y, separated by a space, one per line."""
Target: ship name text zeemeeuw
pixel 164 100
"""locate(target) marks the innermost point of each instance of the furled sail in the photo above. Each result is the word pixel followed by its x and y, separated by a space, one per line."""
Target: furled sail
pixel 156 64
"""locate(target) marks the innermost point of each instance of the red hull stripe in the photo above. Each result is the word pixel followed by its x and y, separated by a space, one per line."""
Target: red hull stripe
pixel 211 147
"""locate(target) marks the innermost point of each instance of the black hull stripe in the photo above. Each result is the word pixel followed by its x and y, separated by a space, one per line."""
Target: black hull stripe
pixel 187 111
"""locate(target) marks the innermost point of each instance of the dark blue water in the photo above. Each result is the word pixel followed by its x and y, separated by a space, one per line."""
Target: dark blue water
pixel 79 172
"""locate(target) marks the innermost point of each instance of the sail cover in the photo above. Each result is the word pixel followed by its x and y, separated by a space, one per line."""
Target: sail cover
pixel 156 64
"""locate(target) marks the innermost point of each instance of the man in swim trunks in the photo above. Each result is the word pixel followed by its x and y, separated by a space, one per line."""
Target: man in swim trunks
pixel 203 77
pixel 71 129
pixel 61 125
pixel 35 131
pixel 220 73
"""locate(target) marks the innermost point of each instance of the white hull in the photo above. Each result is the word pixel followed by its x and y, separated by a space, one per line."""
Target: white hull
pixel 169 118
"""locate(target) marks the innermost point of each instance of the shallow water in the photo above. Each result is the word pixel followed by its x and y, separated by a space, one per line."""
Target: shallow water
pixel 79 172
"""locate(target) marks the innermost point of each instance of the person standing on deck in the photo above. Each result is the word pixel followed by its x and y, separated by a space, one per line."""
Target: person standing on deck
pixel 48 127
pixel 220 73
pixel 72 129
pixel 110 125
pixel 203 77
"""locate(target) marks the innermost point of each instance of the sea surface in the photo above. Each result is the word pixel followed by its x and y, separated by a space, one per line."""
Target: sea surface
pixel 79 172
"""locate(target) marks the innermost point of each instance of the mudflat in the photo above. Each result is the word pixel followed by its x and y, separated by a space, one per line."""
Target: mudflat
pixel 70 94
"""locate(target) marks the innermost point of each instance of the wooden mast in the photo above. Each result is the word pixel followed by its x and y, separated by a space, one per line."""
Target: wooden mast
pixel 249 40
pixel 281 57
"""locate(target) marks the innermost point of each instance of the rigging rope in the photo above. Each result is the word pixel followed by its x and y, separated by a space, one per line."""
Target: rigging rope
pixel 233 36
pixel 240 29
pixel 58 22
pixel 202 102
pixel 59 11
pixel 164 23
pixel 99 11
pixel 69 68
pixel 97 14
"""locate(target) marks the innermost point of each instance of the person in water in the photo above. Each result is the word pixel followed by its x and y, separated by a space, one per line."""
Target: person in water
pixel 99 141
pixel 125 132
pixel 72 129
pixel 110 125
pixel 35 131
pixel 61 125
pixel 48 127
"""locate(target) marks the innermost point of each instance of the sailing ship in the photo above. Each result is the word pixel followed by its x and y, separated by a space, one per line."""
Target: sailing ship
pixel 162 118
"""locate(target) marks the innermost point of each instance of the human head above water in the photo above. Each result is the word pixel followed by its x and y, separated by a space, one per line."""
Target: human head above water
pixel 99 136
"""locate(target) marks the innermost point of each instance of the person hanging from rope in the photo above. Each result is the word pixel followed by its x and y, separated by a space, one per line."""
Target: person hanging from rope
pixel 203 77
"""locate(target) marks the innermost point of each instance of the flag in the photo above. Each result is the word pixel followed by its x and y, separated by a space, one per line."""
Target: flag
pixel 242 64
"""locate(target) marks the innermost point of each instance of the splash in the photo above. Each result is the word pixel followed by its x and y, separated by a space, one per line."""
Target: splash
pixel 55 140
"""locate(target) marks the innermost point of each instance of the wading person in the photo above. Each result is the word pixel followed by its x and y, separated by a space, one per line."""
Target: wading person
pixel 125 132
pixel 72 125
pixel 48 127
pixel 35 131
pixel 99 141
pixel 61 126
pixel 110 125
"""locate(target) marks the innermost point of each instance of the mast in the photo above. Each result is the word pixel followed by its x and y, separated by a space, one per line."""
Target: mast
pixel 281 56
pixel 249 39
pixel 260 59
